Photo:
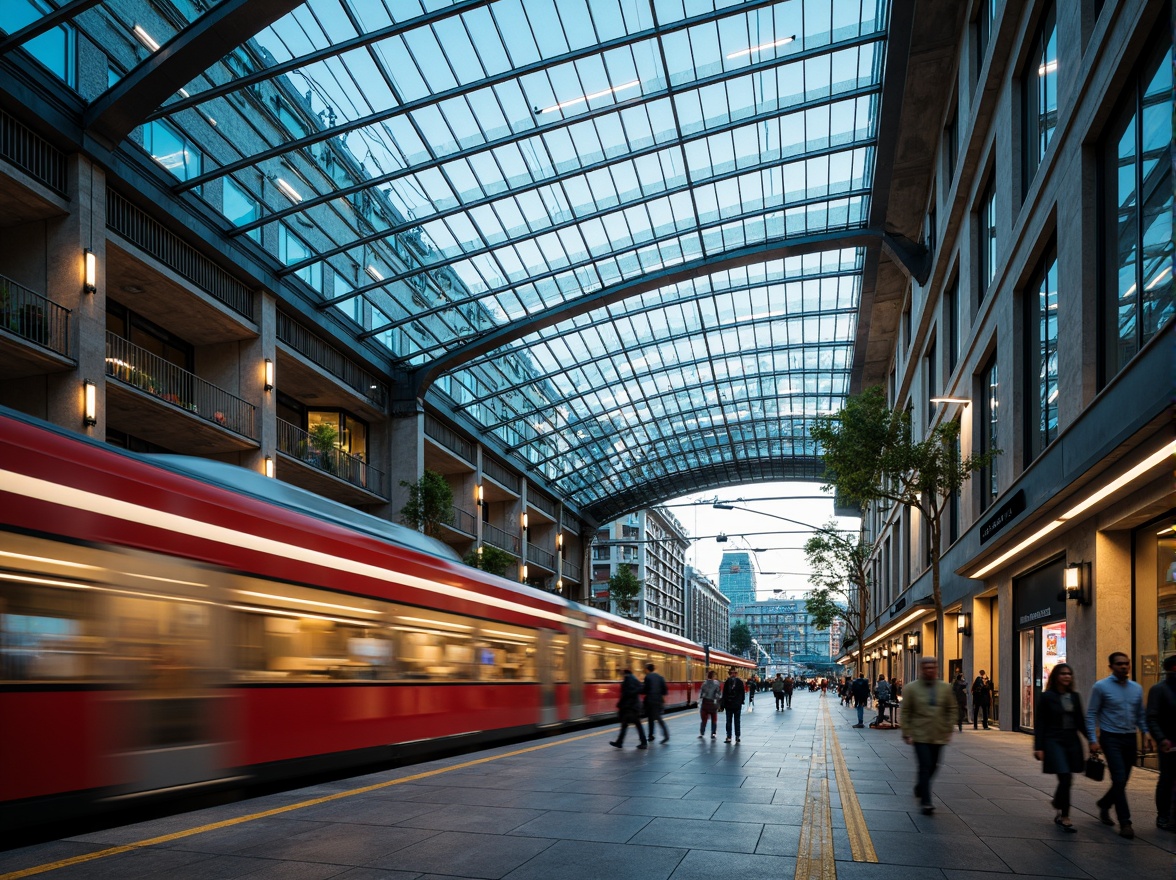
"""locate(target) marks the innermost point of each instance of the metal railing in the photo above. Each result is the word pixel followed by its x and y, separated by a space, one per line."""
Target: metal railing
pixel 33 317
pixel 31 153
pixel 139 368
pixel 296 443
pixel 142 231
pixel 569 522
pixel 571 571
pixel 465 522
pixel 499 474
pixel 496 537
pixel 448 438
pixel 541 502
pixel 325 355
pixel 540 557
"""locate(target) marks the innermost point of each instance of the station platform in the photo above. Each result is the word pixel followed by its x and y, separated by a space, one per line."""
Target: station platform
pixel 804 795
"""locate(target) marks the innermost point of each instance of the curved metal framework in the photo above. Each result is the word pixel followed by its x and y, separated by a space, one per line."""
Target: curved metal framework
pixel 627 239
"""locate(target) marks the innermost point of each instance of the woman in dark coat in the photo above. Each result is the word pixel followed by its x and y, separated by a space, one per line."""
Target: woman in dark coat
pixel 1058 722
pixel 629 710
pixel 959 687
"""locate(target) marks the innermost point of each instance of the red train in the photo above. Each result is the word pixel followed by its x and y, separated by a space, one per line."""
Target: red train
pixel 170 623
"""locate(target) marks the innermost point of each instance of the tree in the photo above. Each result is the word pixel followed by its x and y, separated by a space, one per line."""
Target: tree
pixel 871 456
pixel 840 579
pixel 623 588
pixel 740 637
pixel 430 504
pixel 489 559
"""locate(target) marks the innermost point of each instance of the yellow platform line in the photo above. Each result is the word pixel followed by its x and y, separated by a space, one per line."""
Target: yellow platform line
pixel 814 854
pixel 860 843
pixel 213 826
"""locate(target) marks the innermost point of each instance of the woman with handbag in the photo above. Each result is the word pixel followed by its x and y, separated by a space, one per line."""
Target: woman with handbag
pixel 708 704
pixel 1057 724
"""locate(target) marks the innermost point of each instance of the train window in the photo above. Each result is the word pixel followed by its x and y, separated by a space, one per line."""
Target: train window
pixel 559 659
pixel 47 635
pixel 505 653
pixel 604 661
pixel 432 645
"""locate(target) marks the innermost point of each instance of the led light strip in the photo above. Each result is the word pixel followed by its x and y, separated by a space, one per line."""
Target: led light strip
pixel 79 499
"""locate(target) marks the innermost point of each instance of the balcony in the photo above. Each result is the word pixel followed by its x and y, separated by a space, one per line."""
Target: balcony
pixel 40 324
pixel 315 372
pixel 449 452
pixel 153 399
pixel 464 522
pixel 496 537
pixel 572 572
pixel 540 557
pixel 331 472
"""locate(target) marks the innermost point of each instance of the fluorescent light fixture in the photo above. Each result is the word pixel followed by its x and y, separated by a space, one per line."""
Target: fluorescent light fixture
pixel 269 467
pixel 145 38
pixel 269 375
pixel 375 273
pixel 962 400
pixel 480 500
pixel 584 98
pixel 526 521
pixel 761 47
pixel 90 405
pixel 289 191
pixel 1115 485
pixel 350 608
pixel 524 572
pixel 90 284
pixel 1048 68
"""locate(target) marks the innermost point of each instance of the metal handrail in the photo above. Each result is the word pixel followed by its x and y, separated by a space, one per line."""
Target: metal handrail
pixel 499 474
pixel 541 502
pixel 496 537
pixel 465 522
pixel 30 152
pixel 448 438
pixel 325 355
pixel 571 571
pixel 540 557
pixel 33 317
pixel 139 368
pixel 296 443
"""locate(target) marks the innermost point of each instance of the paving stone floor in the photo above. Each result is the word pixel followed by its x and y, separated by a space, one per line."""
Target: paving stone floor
pixel 695 809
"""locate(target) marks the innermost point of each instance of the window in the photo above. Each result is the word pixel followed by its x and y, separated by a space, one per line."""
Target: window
pixel 1039 96
pixel 951 143
pixel 1137 223
pixel 241 208
pixel 291 250
pixel 172 149
pixel 985 16
pixel 1041 348
pixel 951 321
pixel 986 224
pixel 352 307
pixel 932 380
pixel 989 421
pixel 57 48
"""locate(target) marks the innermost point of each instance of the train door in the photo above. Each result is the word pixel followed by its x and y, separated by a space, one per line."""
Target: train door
pixel 549 664
pixel 576 672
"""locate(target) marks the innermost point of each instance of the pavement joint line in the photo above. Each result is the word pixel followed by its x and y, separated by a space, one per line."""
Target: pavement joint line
pixel 225 823
pixel 860 842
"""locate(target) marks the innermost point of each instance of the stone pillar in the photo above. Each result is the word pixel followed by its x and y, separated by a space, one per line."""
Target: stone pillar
pixel 254 353
pixel 406 455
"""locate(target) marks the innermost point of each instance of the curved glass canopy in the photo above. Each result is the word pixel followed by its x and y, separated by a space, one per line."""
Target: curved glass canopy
pixel 622 228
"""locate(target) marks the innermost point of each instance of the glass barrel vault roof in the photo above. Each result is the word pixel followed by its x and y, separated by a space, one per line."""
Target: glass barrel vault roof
pixel 442 172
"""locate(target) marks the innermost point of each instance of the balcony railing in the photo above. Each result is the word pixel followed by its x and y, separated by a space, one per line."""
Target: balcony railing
pixel 541 502
pixel 325 355
pixel 451 440
pixel 496 537
pixel 31 316
pixel 499 474
pixel 465 522
pixel 139 368
pixel 571 571
pixel 540 557
pixel 296 443
pixel 32 153
pixel 167 247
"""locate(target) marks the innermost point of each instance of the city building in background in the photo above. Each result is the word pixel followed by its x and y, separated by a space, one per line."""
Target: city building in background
pixel 708 611
pixel 737 579
pixel 786 639
pixel 653 544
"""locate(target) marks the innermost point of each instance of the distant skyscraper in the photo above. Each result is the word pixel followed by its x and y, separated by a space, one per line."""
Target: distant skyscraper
pixel 737 578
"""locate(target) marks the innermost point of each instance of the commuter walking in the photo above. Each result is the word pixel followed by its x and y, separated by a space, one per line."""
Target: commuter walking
pixel 959 687
pixel 929 713
pixel 882 697
pixel 789 687
pixel 629 710
pixel 1056 725
pixel 778 691
pixel 655 691
pixel 708 703
pixel 1116 710
pixel 751 689
pixel 733 691
pixel 1161 723
pixel 981 699
pixel 860 688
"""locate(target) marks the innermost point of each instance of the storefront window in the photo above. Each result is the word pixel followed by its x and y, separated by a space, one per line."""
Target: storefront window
pixel 1039 609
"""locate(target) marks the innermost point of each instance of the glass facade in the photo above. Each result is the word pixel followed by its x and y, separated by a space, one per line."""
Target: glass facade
pixel 1041 403
pixel 1039 95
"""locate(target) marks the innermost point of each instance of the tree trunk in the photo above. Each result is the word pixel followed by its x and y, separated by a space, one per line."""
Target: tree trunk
pixel 937 593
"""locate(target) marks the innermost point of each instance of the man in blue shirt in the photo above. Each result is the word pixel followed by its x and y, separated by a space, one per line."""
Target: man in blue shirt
pixel 1116 707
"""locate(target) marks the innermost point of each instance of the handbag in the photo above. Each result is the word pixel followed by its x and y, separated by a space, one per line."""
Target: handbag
pixel 1095 768
pixel 709 706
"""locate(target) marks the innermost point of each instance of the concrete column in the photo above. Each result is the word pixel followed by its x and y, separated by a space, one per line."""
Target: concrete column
pixel 405 455
pixel 254 354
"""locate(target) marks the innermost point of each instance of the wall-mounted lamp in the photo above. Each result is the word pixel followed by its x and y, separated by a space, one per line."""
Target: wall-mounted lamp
pixel 885 652
pixel 559 585
pixel 964 623
pixel 559 541
pixel 479 500
pixel 526 521
pixel 524 572
pixel 1077 582
pixel 90 403
pixel 90 283
pixel 269 467
pixel 912 641
pixel 962 401
pixel 269 375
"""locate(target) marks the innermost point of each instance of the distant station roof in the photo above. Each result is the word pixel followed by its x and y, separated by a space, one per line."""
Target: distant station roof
pixel 629 238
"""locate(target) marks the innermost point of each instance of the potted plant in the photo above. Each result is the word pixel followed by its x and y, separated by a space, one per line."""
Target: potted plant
pixel 323 437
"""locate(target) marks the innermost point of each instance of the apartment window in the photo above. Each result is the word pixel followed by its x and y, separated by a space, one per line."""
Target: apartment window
pixel 951 142
pixel 352 307
pixel 1039 95
pixel 57 48
pixel 985 16
pixel 951 320
pixel 1137 222
pixel 291 250
pixel 906 326
pixel 953 509
pixel 989 422
pixel 173 149
pixel 241 208
pixel 986 224
pixel 932 380
pixel 1041 344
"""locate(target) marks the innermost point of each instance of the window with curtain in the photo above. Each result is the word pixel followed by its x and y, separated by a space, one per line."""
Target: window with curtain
pixel 1041 350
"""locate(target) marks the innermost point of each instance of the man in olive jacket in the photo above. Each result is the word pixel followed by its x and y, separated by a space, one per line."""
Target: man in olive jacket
pixel 928 715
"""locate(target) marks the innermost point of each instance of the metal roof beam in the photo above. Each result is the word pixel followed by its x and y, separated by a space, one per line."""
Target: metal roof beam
pixel 62 15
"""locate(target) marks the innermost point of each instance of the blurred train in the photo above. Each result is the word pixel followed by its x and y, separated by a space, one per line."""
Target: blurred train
pixel 172 624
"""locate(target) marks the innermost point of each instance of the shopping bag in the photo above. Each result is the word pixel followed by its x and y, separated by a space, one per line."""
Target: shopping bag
pixel 1095 768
